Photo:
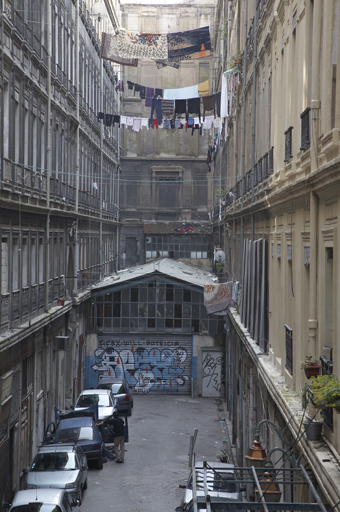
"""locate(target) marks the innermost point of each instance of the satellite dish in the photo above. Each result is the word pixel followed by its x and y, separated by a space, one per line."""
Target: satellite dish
pixel 220 256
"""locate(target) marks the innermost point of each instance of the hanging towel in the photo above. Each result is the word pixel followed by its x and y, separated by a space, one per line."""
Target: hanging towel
pixel 180 106
pixel 129 121
pixel 116 119
pixel 136 124
pixel 167 107
pixel 150 93
pixel 181 94
pixel 203 88
pixel 208 104
pixel 194 106
pixel 122 119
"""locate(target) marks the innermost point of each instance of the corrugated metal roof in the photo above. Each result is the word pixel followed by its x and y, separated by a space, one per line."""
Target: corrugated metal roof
pixel 168 267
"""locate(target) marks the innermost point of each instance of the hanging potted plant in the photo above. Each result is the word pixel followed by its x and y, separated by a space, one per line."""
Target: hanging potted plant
pixel 311 367
pixel 326 390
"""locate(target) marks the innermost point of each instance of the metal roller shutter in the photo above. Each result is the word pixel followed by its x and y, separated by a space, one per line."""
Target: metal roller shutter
pixel 151 364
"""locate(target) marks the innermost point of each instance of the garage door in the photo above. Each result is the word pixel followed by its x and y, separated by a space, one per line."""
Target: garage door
pixel 151 364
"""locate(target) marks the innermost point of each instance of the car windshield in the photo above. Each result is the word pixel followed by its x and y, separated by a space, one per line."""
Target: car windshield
pixel 54 461
pixel 115 388
pixel 87 400
pixel 37 507
pixel 76 434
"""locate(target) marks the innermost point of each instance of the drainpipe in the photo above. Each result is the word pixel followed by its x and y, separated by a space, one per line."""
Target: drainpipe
pixel 48 153
pixel 243 125
pixel 101 259
pixel 253 121
pixel 76 246
pixel 314 200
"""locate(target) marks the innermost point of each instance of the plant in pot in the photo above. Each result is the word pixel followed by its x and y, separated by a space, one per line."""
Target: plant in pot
pixel 311 367
pixel 326 389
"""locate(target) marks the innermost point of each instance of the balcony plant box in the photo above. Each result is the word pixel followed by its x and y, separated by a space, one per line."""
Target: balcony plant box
pixel 326 390
pixel 311 367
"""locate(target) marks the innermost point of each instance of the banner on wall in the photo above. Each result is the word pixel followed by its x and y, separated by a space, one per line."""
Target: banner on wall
pixel 150 364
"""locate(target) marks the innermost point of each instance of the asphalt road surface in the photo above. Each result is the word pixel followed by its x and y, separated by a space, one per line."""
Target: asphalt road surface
pixel 156 461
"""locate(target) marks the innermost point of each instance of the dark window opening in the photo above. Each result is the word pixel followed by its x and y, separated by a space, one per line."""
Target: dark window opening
pixel 195 325
pixel 186 296
pixel 289 348
pixel 151 323
pixel 169 293
pixel 134 294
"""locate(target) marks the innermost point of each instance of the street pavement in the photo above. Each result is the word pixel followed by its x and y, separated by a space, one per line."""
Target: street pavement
pixel 156 459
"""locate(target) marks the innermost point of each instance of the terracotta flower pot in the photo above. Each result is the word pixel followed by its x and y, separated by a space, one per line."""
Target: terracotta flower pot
pixel 312 371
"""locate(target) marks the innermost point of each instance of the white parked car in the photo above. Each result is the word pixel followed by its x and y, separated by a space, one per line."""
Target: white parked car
pixel 43 500
pixel 103 397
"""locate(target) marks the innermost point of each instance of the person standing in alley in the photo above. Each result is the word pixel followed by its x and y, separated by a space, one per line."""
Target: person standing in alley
pixel 118 426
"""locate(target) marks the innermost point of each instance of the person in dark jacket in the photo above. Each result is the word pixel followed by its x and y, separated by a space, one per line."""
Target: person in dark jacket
pixel 118 426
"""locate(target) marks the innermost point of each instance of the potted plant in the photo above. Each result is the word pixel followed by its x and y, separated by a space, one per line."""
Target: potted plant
pixel 311 367
pixel 326 390
pixel 313 429
pixel 308 396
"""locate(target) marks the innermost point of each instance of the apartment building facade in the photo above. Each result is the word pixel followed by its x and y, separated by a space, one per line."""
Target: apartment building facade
pixel 58 212
pixel 278 222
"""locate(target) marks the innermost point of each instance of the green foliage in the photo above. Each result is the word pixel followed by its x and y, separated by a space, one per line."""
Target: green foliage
pixel 326 389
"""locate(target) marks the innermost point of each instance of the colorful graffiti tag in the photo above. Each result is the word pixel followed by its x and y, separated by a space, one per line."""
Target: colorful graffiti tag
pixel 145 369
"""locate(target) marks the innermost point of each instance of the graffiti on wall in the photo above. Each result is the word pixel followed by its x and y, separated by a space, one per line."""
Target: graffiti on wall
pixel 211 371
pixel 144 368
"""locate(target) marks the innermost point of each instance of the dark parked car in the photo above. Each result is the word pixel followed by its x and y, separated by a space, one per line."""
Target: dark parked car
pixel 62 466
pixel 120 390
pixel 83 431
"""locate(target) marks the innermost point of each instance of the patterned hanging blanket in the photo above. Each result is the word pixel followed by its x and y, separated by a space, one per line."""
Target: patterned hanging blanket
pixel 109 51
pixel 189 45
pixel 142 46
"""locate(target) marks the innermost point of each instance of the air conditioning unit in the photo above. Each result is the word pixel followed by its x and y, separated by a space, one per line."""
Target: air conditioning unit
pixel 61 343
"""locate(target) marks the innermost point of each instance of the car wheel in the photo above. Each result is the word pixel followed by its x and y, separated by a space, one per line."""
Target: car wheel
pixel 85 485
pixel 129 412
pixel 131 404
pixel 100 464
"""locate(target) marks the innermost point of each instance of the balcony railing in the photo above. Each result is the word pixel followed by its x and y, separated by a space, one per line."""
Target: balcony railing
pixel 288 143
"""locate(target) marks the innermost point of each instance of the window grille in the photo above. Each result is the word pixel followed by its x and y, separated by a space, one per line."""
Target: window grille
pixel 289 253
pixel 265 166
pixel 289 348
pixel 288 143
pixel 305 129
pixel 306 256
pixel 271 160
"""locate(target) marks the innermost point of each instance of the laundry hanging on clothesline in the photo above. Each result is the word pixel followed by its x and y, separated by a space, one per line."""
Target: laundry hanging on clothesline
pixel 166 49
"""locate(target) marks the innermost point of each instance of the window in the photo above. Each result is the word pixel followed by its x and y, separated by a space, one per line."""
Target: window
pixel 289 348
pixel 33 262
pixel 167 192
pixel 305 138
pixel 288 143
pixel 4 266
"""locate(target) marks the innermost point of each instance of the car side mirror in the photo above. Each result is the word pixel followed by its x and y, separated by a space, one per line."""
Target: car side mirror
pixel 5 504
pixel 84 467
pixel 75 503
pixel 72 407
pixel 25 471
pixel 182 486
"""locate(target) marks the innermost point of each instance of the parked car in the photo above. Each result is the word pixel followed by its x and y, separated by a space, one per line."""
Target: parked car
pixel 42 500
pixel 221 484
pixel 120 390
pixel 61 466
pixel 102 397
pixel 81 430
